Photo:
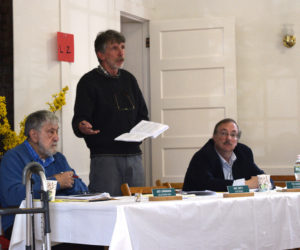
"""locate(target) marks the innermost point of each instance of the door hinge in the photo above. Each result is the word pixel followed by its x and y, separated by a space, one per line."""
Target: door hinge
pixel 148 42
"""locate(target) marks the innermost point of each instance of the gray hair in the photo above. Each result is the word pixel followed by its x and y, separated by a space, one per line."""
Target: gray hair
pixel 36 120
pixel 227 120
pixel 105 37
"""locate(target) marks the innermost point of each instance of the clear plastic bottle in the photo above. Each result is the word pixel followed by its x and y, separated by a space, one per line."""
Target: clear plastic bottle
pixel 297 168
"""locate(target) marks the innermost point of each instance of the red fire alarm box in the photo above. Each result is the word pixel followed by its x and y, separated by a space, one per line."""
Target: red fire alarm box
pixel 65 47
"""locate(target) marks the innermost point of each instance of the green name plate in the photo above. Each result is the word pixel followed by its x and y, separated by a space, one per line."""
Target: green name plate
pixel 292 184
pixel 297 169
pixel 238 189
pixel 163 192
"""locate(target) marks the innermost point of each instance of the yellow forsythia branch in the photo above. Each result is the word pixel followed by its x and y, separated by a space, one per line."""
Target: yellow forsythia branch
pixel 59 100
pixel 9 138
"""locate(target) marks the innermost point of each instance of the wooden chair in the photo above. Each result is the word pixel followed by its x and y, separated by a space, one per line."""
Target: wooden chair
pixel 128 191
pixel 279 180
pixel 176 185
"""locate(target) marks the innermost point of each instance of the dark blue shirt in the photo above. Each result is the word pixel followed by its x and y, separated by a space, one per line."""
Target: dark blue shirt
pixel 12 190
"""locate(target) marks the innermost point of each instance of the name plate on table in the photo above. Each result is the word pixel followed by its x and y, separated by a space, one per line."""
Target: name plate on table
pixel 238 191
pixel 293 186
pixel 164 194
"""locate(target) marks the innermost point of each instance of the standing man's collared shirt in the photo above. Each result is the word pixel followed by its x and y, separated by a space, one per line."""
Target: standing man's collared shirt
pixel 227 169
pixel 35 156
pixel 100 67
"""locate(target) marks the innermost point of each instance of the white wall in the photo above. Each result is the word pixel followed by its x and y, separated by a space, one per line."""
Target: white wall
pixel 37 73
pixel 268 75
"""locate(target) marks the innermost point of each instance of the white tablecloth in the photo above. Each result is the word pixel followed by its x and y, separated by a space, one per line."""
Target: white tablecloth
pixel 267 221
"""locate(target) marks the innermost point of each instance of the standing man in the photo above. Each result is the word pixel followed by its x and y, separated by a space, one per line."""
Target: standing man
pixel 222 162
pixel 109 103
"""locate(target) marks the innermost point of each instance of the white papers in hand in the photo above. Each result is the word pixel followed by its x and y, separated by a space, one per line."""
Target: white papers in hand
pixel 143 130
pixel 131 137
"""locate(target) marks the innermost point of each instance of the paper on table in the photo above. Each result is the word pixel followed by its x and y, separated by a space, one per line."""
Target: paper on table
pixel 87 197
pixel 143 130
pixel 202 192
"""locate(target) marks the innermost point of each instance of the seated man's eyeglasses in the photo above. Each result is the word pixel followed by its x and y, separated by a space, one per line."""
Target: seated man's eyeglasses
pixel 232 135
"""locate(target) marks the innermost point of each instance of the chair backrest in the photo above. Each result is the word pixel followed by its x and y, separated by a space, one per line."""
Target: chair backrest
pixel 279 180
pixel 128 191
pixel 158 182
pixel 176 185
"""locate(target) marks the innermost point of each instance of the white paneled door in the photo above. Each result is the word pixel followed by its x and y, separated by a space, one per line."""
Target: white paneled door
pixel 193 86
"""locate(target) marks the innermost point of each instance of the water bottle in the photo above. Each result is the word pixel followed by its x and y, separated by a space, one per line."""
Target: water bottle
pixel 297 168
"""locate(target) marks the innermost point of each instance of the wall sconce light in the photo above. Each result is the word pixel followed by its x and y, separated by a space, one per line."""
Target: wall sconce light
pixel 289 41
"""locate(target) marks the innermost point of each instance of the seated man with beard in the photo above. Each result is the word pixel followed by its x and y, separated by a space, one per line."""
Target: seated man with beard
pixel 222 162
pixel 41 129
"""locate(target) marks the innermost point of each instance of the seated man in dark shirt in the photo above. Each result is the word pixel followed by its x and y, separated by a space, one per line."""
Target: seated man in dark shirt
pixel 222 162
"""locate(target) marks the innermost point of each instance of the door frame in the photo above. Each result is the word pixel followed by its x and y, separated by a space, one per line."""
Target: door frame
pixel 144 83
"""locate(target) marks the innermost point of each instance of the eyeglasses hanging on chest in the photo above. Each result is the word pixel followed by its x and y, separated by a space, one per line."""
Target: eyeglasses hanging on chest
pixel 123 101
